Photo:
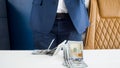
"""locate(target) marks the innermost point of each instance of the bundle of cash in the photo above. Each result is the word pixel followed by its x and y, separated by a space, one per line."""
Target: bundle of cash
pixel 73 54
pixel 47 51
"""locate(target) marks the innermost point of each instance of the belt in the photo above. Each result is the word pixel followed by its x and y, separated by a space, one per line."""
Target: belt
pixel 62 16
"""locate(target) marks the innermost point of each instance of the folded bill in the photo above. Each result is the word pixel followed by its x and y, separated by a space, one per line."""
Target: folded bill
pixel 76 49
pixel 73 54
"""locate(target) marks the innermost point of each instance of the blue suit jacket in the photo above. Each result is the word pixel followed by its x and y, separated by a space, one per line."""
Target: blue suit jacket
pixel 44 13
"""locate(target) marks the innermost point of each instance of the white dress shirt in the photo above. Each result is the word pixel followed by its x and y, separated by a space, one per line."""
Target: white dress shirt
pixel 61 7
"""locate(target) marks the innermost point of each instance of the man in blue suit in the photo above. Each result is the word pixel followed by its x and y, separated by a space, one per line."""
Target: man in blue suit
pixel 59 20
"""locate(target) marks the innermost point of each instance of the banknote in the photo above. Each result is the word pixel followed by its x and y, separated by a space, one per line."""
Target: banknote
pixel 76 49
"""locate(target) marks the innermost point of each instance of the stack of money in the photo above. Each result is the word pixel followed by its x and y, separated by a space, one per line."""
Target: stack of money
pixel 73 54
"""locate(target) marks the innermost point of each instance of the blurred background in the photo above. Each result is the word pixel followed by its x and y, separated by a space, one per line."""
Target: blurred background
pixel 15 32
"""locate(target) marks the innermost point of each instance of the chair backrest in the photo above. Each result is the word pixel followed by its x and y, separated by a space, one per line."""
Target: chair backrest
pixel 4 34
pixel 104 30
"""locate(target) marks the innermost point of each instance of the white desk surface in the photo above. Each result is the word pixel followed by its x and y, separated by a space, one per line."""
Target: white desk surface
pixel 24 59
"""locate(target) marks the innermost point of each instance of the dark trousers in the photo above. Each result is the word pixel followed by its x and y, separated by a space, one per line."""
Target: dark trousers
pixel 63 29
